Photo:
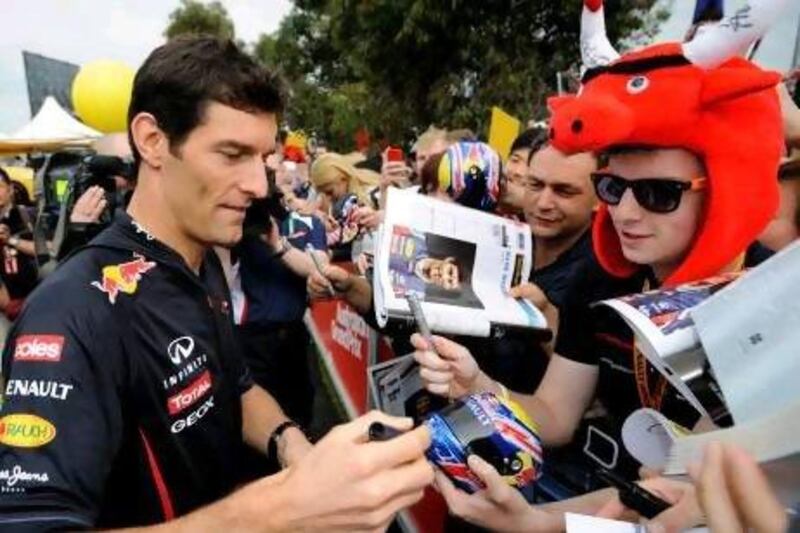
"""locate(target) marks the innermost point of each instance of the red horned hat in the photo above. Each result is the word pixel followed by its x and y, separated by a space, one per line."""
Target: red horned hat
pixel 697 96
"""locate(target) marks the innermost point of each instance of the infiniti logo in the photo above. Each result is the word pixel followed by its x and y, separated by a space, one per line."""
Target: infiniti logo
pixel 180 349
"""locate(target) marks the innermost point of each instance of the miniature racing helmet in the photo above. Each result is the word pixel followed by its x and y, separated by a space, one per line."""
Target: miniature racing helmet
pixel 470 174
pixel 498 431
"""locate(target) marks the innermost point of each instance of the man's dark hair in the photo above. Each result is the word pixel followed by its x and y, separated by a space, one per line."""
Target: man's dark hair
pixel 179 79
pixel 4 177
pixel 531 139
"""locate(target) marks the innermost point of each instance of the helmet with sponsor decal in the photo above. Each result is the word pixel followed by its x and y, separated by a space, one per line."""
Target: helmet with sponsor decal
pixel 496 430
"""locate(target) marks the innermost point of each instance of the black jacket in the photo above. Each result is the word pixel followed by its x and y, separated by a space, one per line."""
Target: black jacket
pixel 124 379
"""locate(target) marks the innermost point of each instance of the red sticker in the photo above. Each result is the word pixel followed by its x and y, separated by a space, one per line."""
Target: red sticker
pixel 189 396
pixel 43 348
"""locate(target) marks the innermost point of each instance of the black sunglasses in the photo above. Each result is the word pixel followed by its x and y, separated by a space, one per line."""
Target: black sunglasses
pixel 659 195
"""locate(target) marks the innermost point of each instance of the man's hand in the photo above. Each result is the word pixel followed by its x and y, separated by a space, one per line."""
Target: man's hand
pixel 394 173
pixel 292 447
pixel 498 507
pixel 90 206
pixel 346 483
pixel 684 512
pixel 730 494
pixel 368 218
pixel 735 494
pixel 332 277
pixel 537 297
pixel 450 370
pixel 273 237
pixel 5 234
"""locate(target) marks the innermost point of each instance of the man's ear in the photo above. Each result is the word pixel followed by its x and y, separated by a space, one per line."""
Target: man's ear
pixel 150 140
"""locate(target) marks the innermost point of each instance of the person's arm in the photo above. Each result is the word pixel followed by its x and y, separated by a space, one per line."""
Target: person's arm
pixel 5 298
pixel 24 246
pixel 261 415
pixel 300 262
pixel 296 260
pixel 557 405
pixel 355 289
pixel 344 484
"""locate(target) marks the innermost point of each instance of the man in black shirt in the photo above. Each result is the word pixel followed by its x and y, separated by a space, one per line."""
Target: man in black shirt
pixel 126 397
pixel 559 201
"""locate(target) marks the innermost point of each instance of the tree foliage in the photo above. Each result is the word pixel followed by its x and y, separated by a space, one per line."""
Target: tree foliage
pixel 396 66
pixel 195 18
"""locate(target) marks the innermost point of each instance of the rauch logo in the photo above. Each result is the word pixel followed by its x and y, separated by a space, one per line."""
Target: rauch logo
pixel 26 431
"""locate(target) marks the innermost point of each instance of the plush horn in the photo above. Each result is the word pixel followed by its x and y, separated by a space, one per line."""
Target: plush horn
pixel 734 34
pixel 596 50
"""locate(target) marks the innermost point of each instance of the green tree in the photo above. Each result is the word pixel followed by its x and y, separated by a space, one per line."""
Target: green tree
pixel 195 18
pixel 403 64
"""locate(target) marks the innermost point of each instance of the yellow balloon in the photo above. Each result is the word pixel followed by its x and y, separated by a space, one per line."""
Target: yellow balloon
pixel 101 94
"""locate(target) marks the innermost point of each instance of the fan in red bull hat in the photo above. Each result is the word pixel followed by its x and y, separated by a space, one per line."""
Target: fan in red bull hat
pixel 689 131
pixel 126 400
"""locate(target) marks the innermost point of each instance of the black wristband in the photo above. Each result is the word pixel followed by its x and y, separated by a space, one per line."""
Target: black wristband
pixel 272 445
pixel 285 246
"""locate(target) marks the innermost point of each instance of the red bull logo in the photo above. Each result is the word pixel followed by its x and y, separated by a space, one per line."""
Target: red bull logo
pixel 123 278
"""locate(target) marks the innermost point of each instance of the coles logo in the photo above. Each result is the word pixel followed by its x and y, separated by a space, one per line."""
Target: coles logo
pixel 189 396
pixel 26 431
pixel 42 348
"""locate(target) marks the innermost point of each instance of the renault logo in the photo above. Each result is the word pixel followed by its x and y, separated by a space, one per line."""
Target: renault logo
pixel 180 349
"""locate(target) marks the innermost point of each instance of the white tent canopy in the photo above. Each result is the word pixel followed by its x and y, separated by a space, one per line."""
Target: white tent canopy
pixel 53 123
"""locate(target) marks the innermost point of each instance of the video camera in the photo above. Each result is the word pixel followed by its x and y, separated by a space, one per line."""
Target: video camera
pixel 260 214
pixel 61 180
pixel 66 176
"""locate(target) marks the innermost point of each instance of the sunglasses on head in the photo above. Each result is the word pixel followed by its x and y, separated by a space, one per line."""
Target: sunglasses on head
pixel 659 195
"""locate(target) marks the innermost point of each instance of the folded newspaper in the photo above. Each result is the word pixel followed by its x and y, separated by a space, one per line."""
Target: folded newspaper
pixel 459 262
pixel 666 335
pixel 750 335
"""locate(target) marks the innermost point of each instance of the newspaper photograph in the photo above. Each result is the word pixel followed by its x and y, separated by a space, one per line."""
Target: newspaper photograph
pixel 460 262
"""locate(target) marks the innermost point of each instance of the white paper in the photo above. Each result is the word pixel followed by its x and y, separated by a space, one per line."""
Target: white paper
pixel 751 335
pixel 649 436
pixel 489 252
pixel 578 523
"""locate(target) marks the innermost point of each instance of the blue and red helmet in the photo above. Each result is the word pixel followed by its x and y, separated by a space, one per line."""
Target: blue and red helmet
pixel 470 173
pixel 498 431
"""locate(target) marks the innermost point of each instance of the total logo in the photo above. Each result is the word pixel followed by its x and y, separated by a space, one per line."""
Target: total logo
pixel 194 417
pixel 26 431
pixel 39 348
pixel 189 396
